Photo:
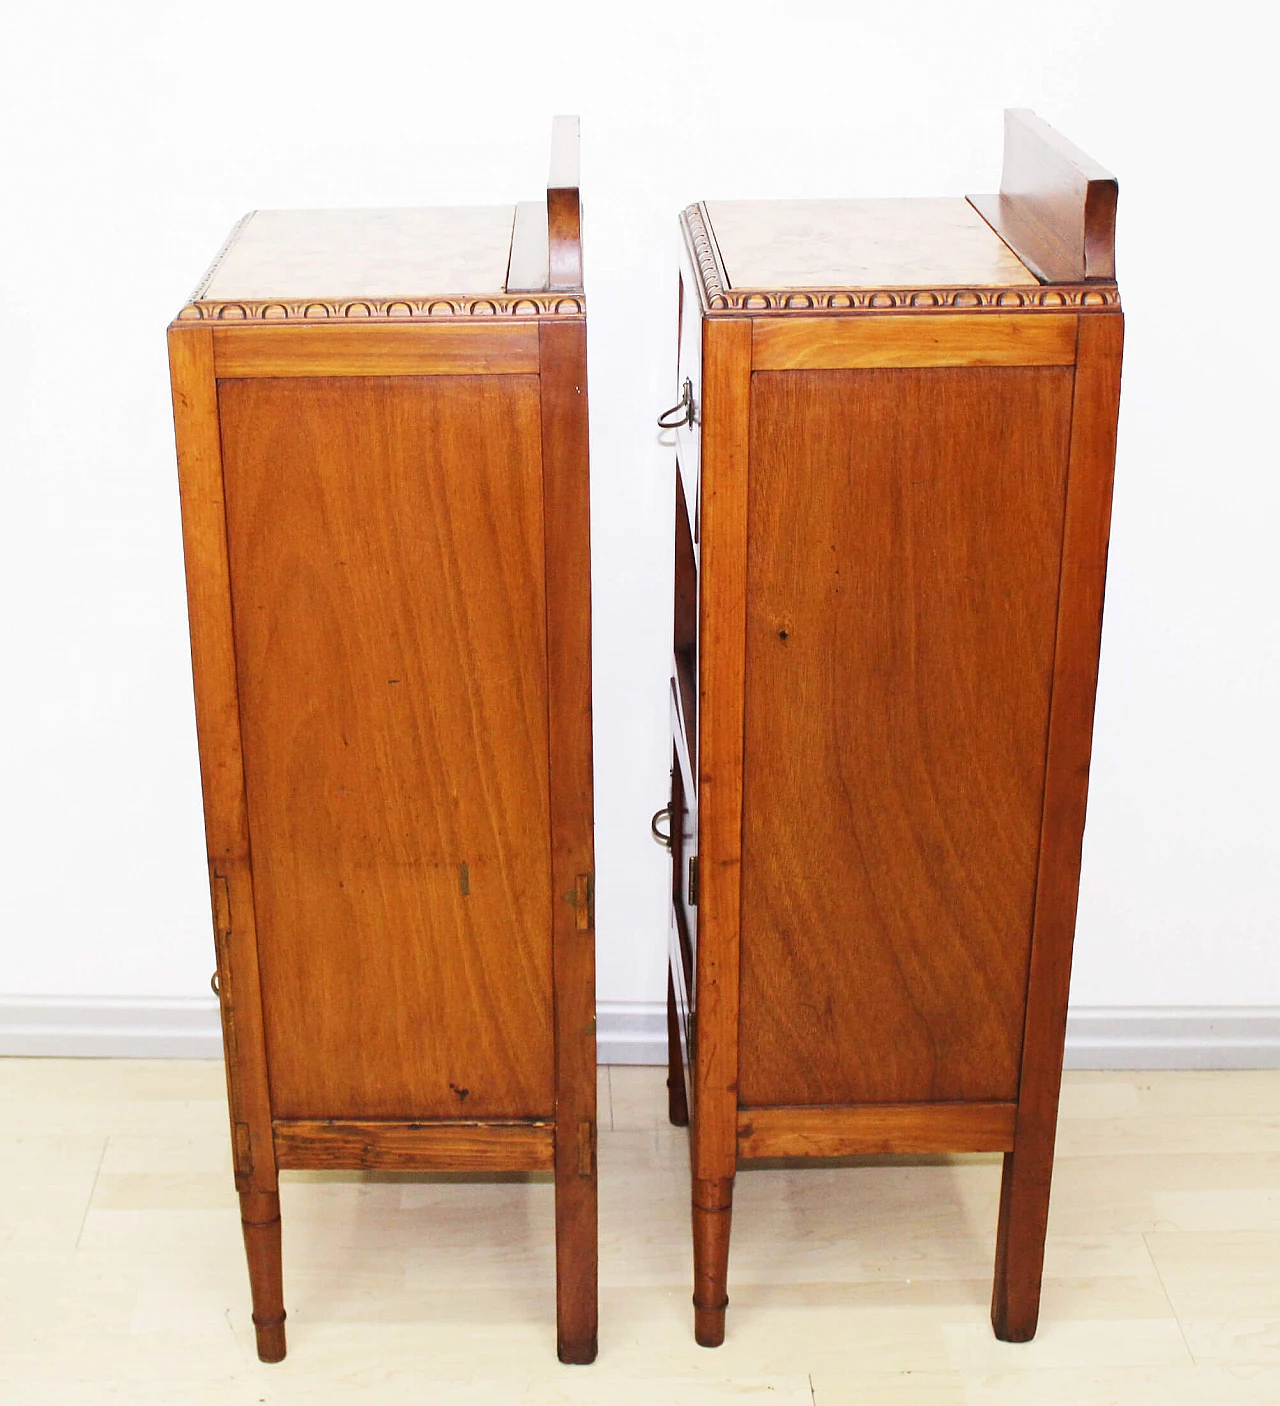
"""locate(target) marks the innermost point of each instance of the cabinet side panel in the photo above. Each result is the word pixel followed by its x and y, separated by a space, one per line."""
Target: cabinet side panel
pixel 386 544
pixel 906 539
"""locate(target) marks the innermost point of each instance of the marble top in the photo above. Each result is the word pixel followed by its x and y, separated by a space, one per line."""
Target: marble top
pixel 916 243
pixel 339 254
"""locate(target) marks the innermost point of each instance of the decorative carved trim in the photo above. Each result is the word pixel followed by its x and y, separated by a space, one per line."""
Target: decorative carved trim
pixel 716 297
pixel 1054 298
pixel 706 257
pixel 220 255
pixel 391 309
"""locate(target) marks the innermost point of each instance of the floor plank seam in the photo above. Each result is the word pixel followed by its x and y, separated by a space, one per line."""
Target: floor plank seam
pixel 93 1189
pixel 1168 1298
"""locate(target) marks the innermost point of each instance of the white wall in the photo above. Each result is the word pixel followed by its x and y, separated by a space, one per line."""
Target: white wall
pixel 136 133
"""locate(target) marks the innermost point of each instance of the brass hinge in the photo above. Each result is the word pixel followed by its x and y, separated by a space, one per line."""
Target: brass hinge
pixel 582 898
pixel 221 981
pixel 242 1149
pixel 221 905
pixel 241 1141
pixel 586 1149
pixel 693 881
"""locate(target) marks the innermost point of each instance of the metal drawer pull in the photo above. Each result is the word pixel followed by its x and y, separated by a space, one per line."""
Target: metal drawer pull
pixel 683 408
pixel 658 817
pixel 215 986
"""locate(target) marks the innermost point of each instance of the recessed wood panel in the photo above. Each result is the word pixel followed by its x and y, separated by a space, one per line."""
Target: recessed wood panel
pixel 906 536
pixel 386 547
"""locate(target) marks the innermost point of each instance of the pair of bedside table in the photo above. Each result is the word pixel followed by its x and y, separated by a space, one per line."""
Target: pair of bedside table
pixel 895 441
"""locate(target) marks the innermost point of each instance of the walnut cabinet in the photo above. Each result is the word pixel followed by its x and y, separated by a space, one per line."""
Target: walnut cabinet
pixel 382 443
pixel 895 442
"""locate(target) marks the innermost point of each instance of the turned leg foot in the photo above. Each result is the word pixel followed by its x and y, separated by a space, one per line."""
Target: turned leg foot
pixel 712 1216
pixel 260 1221
pixel 677 1100
pixel 708 1325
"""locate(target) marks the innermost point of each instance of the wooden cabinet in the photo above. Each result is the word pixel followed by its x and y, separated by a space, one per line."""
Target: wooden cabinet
pixel 382 442
pixel 895 447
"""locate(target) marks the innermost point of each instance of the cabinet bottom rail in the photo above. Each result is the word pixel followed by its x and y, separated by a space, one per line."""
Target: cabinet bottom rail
pixel 317 1144
pixel 868 1129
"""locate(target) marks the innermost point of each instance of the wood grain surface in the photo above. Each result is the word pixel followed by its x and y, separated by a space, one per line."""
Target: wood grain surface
pixel 260 1227
pixel 387 573
pixel 378 349
pixel 726 380
pixel 913 339
pixel 567 554
pixel 1024 1198
pixel 906 534
pixel 318 1144
pixel 867 1129
pixel 1057 206
pixel 726 376
pixel 231 879
pixel 564 207
pixel 217 699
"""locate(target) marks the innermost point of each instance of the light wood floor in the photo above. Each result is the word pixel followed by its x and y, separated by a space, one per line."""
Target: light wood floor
pixel 122 1278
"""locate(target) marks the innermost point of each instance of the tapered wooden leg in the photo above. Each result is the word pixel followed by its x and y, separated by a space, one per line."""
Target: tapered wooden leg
pixel 566 517
pixel 260 1221
pixel 1028 1169
pixel 1024 1217
pixel 677 1099
pixel 712 1214
pixel 576 1251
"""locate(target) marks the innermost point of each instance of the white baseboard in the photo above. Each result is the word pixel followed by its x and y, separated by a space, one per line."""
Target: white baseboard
pixel 1173 1037
pixel 631 1032
pixel 130 1027
pixel 635 1032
